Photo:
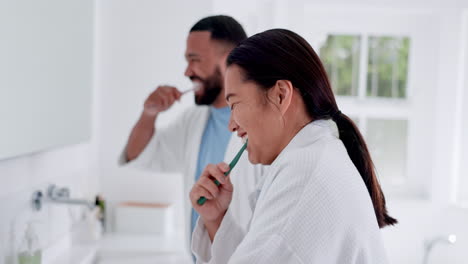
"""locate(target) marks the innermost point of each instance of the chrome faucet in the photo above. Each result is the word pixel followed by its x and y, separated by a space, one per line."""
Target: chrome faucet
pixel 430 244
pixel 62 195
pixel 59 195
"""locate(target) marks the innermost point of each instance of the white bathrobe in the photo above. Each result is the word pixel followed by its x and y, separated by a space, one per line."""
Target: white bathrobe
pixel 175 149
pixel 312 206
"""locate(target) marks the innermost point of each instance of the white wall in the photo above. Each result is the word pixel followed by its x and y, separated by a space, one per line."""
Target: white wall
pixel 444 173
pixel 141 45
pixel 463 125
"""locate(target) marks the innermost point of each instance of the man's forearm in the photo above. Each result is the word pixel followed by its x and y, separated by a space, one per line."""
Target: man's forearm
pixel 140 136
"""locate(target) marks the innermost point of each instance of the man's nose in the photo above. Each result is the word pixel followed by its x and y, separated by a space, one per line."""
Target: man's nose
pixel 188 71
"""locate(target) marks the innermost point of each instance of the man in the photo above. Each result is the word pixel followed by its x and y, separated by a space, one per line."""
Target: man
pixel 200 137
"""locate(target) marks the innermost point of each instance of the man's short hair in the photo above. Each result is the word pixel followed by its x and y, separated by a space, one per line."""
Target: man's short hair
pixel 223 28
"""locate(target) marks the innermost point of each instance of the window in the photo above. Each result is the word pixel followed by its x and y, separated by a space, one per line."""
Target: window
pixel 340 56
pixel 387 67
pixel 370 68
pixel 387 140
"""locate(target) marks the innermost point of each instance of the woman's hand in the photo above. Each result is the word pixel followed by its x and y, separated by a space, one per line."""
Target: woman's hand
pixel 218 197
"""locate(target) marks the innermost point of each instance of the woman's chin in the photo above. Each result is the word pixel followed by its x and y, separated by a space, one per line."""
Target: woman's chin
pixel 252 158
pixel 256 160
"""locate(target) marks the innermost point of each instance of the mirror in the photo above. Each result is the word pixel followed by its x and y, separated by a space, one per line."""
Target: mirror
pixel 46 50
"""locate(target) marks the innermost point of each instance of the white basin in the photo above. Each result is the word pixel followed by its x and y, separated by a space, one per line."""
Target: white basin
pixel 140 249
pixel 149 259
pixel 124 249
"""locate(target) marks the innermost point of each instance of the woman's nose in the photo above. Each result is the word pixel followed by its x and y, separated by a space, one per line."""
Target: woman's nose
pixel 232 126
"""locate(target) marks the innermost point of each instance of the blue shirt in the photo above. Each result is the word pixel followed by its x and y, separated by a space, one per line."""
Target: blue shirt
pixel 213 144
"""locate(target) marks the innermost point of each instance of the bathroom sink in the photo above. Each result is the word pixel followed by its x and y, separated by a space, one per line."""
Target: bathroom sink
pixel 144 259
pixel 141 249
pixel 124 249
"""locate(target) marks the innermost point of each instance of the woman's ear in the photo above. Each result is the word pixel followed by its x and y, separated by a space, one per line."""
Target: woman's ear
pixel 283 94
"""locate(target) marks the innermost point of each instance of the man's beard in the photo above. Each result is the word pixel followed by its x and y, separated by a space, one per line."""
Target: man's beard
pixel 212 87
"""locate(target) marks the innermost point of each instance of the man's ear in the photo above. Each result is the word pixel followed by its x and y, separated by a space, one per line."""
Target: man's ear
pixel 281 95
pixel 221 51
pixel 222 63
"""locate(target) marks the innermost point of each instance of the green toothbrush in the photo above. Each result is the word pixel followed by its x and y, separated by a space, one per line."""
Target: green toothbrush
pixel 233 163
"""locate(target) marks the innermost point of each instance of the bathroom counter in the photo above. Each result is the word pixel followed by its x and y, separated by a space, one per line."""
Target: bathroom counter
pixel 139 243
pixel 126 249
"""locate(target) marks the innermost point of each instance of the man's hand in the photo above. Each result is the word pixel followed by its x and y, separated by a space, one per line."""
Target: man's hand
pixel 160 100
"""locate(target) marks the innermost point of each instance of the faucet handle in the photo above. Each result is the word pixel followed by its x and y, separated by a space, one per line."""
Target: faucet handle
pixel 57 193
pixel 63 192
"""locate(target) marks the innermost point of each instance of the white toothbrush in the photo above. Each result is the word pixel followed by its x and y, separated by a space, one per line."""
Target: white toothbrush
pixel 196 86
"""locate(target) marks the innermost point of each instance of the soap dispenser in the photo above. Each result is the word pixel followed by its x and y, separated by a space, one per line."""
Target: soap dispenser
pixel 29 251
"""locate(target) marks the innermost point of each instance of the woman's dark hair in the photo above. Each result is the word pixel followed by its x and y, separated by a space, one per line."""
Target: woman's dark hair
pixel 223 28
pixel 280 54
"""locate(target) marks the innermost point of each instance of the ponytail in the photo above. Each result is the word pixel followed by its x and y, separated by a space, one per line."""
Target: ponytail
pixel 359 154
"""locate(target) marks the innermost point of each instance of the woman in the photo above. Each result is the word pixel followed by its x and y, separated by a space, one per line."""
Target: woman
pixel 320 201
